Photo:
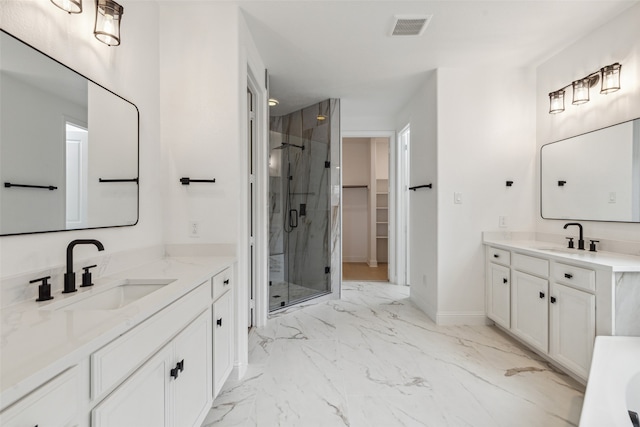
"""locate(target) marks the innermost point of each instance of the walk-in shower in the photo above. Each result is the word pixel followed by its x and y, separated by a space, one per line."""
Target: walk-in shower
pixel 300 207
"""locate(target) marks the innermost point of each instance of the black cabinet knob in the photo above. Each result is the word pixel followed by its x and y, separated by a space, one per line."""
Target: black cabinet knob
pixel 226 282
pixel 219 322
pixel 541 294
pixel 174 373
pixel 553 300
pixel 568 276
pixel 496 256
pixel 504 280
pixel 180 365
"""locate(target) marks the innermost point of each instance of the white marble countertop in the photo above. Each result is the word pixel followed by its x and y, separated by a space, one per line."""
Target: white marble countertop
pixel 38 343
pixel 615 361
pixel 614 261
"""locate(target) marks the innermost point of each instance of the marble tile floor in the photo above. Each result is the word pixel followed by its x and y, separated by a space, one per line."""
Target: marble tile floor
pixel 374 359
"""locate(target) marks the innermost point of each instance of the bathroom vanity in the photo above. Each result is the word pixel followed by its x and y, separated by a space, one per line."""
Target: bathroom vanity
pixel 557 300
pixel 155 355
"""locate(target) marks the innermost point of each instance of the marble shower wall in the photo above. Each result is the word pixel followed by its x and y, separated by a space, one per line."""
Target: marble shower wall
pixel 314 244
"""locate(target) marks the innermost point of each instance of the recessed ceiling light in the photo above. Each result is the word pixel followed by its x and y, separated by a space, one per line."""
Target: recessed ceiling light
pixel 273 102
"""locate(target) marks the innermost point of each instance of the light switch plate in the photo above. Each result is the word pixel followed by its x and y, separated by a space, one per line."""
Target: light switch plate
pixel 457 198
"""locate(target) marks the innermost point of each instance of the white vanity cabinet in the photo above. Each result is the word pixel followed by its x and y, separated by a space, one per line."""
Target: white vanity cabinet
pixel 552 305
pixel 56 403
pixel 222 328
pixel 173 388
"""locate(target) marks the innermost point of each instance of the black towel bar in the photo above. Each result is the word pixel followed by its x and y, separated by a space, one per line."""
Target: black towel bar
pixel 421 186
pixel 187 180
pixel 48 187
pixel 118 180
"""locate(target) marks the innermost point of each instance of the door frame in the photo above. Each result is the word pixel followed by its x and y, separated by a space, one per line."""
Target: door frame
pixel 394 260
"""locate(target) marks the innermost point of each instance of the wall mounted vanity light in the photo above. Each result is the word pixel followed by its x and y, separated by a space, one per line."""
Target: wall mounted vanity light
pixel 108 17
pixel 609 76
pixel 70 6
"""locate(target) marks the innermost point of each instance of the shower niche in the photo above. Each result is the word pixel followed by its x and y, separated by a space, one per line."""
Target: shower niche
pixel 303 216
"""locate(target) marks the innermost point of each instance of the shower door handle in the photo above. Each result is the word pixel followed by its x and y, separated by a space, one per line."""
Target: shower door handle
pixel 293 218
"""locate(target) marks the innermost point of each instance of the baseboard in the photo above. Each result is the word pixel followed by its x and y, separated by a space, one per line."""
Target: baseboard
pixel 353 259
pixel 372 263
pixel 238 372
pixel 428 309
pixel 461 318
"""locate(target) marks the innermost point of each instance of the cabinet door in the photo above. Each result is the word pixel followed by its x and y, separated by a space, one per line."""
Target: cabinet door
pixel 530 310
pixel 142 400
pixel 572 327
pixel 222 340
pixel 499 295
pixel 192 386
pixel 53 404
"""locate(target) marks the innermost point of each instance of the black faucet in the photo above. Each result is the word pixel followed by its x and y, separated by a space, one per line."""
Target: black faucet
pixel 70 276
pixel 581 239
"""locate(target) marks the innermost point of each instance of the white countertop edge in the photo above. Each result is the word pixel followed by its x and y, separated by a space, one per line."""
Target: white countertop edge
pixel 615 361
pixel 17 380
pixel 614 261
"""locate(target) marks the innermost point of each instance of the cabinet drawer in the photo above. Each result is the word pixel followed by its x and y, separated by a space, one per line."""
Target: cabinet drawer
pixel 498 256
pixel 222 282
pixel 118 359
pixel 533 265
pixel 55 404
pixel 576 276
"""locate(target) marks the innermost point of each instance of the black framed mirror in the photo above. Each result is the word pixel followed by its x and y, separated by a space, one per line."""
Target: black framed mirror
pixel 69 147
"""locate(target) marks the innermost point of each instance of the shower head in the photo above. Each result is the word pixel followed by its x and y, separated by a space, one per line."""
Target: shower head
pixel 287 145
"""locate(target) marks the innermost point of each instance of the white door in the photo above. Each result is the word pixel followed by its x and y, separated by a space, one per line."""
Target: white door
pixel 530 310
pixel 499 295
pixel 77 159
pixel 193 389
pixel 572 327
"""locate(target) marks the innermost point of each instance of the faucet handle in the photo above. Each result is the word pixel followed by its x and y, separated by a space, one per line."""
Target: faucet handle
pixel 592 245
pixel 86 276
pixel 44 289
pixel 571 246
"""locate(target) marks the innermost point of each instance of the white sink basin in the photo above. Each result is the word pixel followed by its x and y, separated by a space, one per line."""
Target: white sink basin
pixel 111 297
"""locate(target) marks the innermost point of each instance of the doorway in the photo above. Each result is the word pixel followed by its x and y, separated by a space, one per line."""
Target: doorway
pixel 366 214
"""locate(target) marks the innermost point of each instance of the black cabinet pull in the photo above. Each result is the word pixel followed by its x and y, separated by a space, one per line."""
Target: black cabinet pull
pixel 219 322
pixel 180 365
pixel 568 276
pixel 553 300
pixel 504 280
pixel 496 256
pixel 226 282
pixel 175 372
pixel 541 294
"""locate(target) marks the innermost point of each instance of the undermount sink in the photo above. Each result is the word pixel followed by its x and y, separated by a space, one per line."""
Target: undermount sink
pixel 111 297
pixel 562 250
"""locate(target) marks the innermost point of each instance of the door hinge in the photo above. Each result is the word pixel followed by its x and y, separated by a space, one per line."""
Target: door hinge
pixel 327 165
pixel 327 270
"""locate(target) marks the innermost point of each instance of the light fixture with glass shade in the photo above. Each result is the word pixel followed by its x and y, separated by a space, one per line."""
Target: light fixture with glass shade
pixel 108 17
pixel 71 6
pixel 610 77
pixel 273 102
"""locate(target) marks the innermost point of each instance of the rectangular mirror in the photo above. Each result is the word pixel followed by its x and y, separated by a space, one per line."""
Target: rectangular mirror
pixel 68 147
pixel 594 176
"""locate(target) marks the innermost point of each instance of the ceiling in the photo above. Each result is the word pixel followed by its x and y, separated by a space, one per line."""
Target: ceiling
pixel 319 49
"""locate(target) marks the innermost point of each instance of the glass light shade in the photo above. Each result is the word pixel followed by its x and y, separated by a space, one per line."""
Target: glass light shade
pixel 71 6
pixel 273 102
pixel 108 16
pixel 580 91
pixel 610 77
pixel 556 102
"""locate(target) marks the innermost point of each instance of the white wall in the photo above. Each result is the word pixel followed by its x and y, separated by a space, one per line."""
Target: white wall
pixel 130 70
pixel 421 112
pixel 616 41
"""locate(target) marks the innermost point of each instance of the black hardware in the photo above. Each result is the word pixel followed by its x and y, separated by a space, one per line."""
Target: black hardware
pixel 226 282
pixel 293 220
pixel 568 276
pixel 187 180
pixel 541 294
pixel 48 187
pixel 219 322
pixel 421 186
pixel 581 239
pixel 635 421
pixel 303 209
pixel 355 186
pixel 70 276
pixel 327 270
pixel 174 372
pixel 44 290
pixel 180 365
pixel 86 276
pixel 553 300
pixel 496 256
pixel 592 245
pixel 561 183
pixel 570 244
pixel 504 280
pixel 509 183
pixel 327 165
pixel 119 180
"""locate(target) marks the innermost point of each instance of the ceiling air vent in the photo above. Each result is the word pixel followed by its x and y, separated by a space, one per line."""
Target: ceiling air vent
pixel 410 25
